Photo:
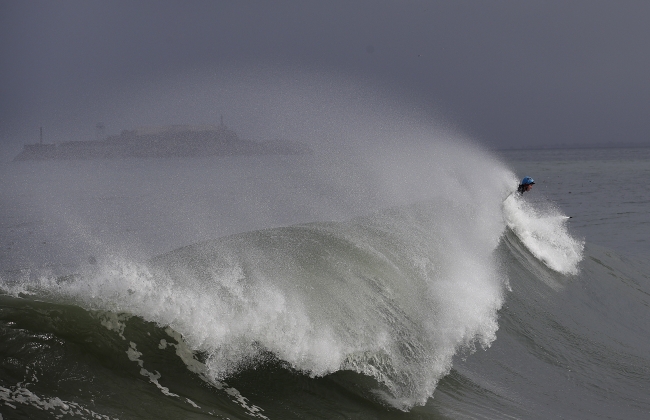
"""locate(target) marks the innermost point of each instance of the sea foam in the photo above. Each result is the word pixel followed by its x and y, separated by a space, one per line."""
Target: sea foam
pixel 545 234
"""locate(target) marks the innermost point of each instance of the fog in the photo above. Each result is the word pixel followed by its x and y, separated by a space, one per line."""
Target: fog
pixel 506 74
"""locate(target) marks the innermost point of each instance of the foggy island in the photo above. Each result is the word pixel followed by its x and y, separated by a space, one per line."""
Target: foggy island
pixel 180 140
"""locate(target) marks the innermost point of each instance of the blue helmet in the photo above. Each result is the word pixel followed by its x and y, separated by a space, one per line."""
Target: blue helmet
pixel 527 181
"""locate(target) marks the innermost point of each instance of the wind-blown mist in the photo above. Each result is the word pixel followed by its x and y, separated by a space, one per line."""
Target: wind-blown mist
pixel 371 153
pixel 376 255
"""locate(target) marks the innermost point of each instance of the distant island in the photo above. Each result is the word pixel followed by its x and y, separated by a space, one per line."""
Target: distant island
pixel 162 142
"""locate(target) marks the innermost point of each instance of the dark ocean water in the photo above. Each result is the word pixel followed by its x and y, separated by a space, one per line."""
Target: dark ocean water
pixel 278 288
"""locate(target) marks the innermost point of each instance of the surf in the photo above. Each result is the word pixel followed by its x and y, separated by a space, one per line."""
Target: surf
pixel 402 281
pixel 544 232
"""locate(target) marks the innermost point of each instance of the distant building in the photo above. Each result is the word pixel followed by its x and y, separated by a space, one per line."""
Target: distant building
pixel 160 142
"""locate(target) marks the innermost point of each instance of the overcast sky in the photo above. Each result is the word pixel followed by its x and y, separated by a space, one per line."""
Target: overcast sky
pixel 508 73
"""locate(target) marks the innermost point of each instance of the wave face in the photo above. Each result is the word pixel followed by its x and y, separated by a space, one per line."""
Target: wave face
pixel 567 347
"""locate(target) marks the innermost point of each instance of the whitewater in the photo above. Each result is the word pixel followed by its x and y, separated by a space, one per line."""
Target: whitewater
pixel 397 282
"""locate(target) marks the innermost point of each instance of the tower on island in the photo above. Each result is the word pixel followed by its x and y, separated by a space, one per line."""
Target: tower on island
pixel 100 131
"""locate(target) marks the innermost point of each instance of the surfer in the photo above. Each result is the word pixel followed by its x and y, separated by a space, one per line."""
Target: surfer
pixel 525 185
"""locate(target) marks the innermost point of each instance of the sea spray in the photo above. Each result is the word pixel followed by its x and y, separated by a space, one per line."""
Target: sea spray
pixel 393 294
pixel 545 234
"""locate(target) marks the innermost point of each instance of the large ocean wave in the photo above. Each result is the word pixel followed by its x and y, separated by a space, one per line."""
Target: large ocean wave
pixel 471 303
pixel 393 296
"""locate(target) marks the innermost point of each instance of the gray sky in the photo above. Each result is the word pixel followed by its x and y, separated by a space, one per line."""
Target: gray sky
pixel 508 73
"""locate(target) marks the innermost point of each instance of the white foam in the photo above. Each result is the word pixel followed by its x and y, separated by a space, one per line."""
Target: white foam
pixel 544 232
pixel 20 394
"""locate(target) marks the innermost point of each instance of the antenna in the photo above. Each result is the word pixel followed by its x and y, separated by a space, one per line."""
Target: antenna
pixel 100 130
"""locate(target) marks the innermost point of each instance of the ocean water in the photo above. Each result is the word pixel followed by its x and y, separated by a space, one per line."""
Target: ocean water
pixel 393 284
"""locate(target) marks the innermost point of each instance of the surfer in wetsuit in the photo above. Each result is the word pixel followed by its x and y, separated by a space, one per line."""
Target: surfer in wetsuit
pixel 525 185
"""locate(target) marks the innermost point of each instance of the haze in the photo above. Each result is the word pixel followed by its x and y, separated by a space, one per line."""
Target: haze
pixel 508 74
